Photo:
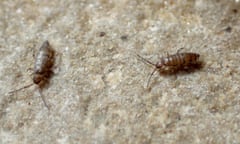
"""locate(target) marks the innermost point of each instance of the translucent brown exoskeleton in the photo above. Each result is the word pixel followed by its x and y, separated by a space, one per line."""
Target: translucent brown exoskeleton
pixel 174 63
pixel 44 62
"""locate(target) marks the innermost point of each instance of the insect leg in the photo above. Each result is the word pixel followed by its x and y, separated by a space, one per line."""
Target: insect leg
pixel 180 50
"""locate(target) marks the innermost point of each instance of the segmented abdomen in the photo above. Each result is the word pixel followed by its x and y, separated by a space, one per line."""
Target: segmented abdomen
pixel 44 59
pixel 180 59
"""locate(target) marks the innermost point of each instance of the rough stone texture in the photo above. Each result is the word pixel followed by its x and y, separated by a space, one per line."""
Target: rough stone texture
pixel 98 93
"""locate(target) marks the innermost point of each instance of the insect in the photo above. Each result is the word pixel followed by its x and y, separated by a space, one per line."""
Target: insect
pixel 173 63
pixel 42 69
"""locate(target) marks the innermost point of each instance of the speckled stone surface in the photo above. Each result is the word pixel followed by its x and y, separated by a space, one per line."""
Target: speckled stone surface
pixel 98 92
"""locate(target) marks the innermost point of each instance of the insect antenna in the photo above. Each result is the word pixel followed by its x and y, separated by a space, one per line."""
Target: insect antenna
pixel 145 60
pixel 21 88
pixel 150 76
pixel 43 99
pixel 148 62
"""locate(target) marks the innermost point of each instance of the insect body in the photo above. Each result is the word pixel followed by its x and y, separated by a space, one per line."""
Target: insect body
pixel 43 65
pixel 173 63
pixel 42 68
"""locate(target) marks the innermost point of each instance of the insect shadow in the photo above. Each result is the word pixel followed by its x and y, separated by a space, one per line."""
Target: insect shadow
pixel 183 63
pixel 43 72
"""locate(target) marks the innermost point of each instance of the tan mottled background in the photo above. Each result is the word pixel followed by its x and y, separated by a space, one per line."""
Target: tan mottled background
pixel 98 93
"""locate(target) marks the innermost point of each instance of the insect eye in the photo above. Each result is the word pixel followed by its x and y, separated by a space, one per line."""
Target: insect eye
pixel 158 65
pixel 37 79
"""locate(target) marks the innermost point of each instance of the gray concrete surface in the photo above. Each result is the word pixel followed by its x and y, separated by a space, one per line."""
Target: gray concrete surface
pixel 98 93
